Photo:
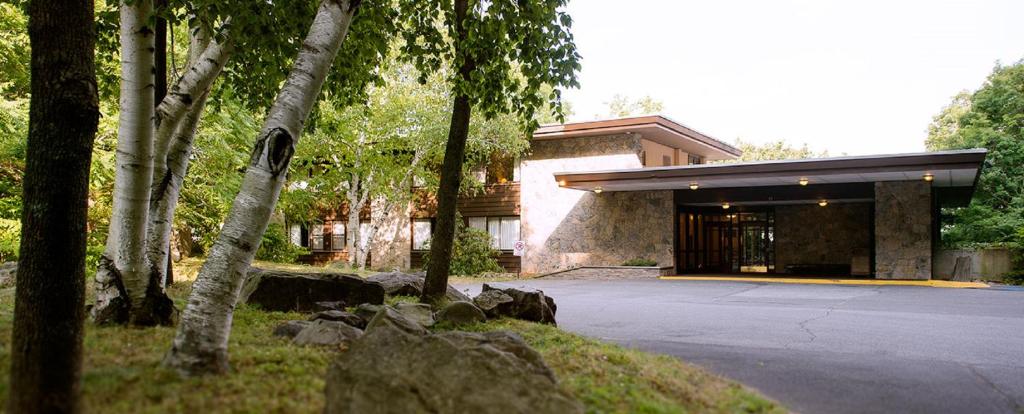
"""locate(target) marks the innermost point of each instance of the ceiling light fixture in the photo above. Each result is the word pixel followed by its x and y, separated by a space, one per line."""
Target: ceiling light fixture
pixel 561 183
pixel 804 181
pixel 928 177
pixel 823 203
pixel 598 190
pixel 694 186
pixel 725 206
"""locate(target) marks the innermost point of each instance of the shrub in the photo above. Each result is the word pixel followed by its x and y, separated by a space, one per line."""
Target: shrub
pixel 276 247
pixel 640 262
pixel 10 239
pixel 1014 278
pixel 472 253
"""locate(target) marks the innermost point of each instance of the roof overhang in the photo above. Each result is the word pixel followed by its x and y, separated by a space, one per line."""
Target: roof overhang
pixel 949 169
pixel 656 128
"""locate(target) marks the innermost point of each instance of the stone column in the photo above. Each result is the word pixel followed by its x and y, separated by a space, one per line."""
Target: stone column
pixel 903 230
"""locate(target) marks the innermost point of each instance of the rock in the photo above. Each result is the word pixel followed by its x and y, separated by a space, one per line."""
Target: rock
pixel 393 370
pixel 461 313
pixel 390 318
pixel 290 328
pixel 289 291
pixel 321 332
pixel 494 303
pixel 530 306
pixel 8 273
pixel 340 316
pixel 410 284
pixel 367 311
pixel 420 313
pixel 327 306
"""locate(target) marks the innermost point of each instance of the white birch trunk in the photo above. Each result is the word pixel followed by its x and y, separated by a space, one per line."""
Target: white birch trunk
pixel 206 61
pixel 122 271
pixel 201 343
pixel 377 216
pixel 352 236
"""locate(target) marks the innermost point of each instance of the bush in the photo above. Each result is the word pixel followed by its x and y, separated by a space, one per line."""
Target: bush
pixel 1014 278
pixel 10 239
pixel 640 262
pixel 276 247
pixel 472 253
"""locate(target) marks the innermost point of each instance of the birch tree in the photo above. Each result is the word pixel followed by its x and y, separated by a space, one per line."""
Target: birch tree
pixel 503 53
pixel 49 309
pixel 200 346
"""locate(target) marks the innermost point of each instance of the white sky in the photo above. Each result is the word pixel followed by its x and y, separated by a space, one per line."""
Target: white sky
pixel 856 77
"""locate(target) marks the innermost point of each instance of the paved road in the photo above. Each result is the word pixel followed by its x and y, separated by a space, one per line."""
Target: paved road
pixel 820 348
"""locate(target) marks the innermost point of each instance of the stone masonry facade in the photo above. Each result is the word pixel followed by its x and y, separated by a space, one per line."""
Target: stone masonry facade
pixel 839 234
pixel 566 228
pixel 903 230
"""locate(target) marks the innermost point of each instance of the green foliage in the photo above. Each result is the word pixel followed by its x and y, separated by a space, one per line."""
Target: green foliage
pixel 14 51
pixel 640 262
pixel 514 50
pixel 472 254
pixel 622 106
pixel 10 239
pixel 992 117
pixel 276 247
pixel 776 150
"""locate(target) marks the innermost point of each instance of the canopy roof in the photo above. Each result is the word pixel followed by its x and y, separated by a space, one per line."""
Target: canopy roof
pixel 656 128
pixel 949 169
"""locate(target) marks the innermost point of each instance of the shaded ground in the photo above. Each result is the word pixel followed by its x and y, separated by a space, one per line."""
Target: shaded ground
pixel 821 348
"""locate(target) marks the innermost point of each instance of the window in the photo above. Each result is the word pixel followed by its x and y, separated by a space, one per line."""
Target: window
pixel 694 159
pixel 318 236
pixel 504 231
pixel 338 235
pixel 479 223
pixel 295 234
pixel 421 231
pixel 666 160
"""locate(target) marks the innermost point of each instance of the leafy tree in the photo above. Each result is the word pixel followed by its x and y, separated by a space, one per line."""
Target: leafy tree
pixel 775 150
pixel 49 310
pixel 992 117
pixel 472 253
pixel 623 106
pixel 502 54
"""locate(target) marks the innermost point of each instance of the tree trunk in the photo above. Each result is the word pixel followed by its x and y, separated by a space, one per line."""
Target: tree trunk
pixel 352 238
pixel 49 311
pixel 200 346
pixel 436 283
pixel 121 275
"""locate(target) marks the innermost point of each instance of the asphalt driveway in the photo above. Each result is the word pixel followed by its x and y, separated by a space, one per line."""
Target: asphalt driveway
pixel 820 348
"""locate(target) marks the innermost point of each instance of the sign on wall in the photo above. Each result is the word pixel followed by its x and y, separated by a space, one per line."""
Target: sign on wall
pixel 518 247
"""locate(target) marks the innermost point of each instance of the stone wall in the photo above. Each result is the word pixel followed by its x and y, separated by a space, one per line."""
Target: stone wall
pixel 903 230
pixel 986 264
pixel 566 228
pixel 834 234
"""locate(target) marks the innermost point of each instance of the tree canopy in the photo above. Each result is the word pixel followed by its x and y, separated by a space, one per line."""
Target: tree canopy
pixel 991 117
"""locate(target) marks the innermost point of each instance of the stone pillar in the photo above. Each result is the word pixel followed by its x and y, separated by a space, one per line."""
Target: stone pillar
pixel 903 230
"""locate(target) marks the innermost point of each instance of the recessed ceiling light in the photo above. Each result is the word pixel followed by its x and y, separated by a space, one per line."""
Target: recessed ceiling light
pixel 725 206
pixel 804 181
pixel 823 203
pixel 928 177
pixel 598 190
pixel 694 186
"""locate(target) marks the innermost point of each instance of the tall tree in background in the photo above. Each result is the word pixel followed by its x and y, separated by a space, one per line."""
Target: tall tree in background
pixel 622 106
pixel 504 53
pixel 992 117
pixel 774 150
pixel 201 344
pixel 49 313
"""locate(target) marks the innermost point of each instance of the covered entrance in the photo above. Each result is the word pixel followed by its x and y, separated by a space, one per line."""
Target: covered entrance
pixel 717 241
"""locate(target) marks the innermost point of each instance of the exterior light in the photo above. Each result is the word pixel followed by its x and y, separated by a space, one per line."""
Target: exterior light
pixel 725 206
pixel 823 203
pixel 694 186
pixel 928 177
pixel 598 190
pixel 561 183
pixel 804 181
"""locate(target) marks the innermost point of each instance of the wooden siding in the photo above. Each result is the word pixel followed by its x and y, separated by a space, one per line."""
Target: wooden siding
pixel 511 263
pixel 492 201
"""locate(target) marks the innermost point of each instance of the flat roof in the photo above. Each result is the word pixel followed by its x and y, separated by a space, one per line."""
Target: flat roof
pixel 656 128
pixel 948 168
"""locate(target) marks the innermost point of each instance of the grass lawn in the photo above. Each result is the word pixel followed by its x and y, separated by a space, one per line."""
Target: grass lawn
pixel 122 370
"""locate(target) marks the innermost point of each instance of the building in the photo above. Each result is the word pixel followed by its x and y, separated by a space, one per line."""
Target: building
pixel 597 194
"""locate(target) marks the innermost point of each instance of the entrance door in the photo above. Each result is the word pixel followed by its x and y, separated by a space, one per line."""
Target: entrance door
pixel 716 241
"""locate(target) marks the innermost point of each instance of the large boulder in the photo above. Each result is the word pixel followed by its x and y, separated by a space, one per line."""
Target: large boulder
pixel 420 313
pixel 398 367
pixel 367 311
pixel 461 313
pixel 410 284
pixel 329 333
pixel 526 305
pixel 275 290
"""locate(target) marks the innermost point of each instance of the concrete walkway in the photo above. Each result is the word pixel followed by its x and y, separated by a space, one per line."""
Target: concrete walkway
pixel 820 348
